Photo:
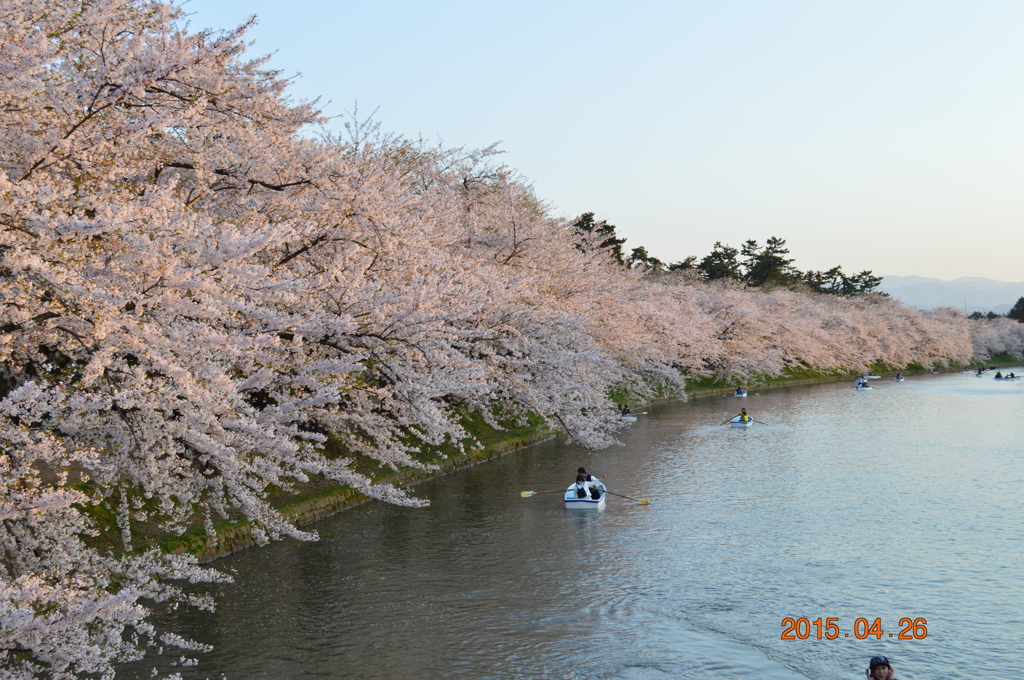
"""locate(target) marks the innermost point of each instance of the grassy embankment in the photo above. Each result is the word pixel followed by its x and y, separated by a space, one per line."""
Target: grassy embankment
pixel 320 498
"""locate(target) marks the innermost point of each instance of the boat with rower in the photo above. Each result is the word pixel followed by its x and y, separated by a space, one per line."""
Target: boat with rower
pixel 739 422
pixel 740 392
pixel 587 503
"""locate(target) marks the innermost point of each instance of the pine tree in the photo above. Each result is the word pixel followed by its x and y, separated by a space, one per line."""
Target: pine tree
pixel 1017 313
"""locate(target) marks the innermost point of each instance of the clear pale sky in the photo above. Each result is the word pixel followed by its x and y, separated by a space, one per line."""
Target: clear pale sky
pixel 877 135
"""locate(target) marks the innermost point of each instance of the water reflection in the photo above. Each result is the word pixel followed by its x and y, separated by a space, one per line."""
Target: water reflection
pixel 903 501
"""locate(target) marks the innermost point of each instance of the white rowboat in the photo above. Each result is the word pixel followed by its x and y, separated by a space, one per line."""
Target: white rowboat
pixel 739 393
pixel 736 422
pixel 863 387
pixel 628 418
pixel 588 503
pixel 899 379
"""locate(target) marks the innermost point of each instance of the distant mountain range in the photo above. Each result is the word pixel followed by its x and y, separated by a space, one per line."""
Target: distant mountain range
pixel 976 293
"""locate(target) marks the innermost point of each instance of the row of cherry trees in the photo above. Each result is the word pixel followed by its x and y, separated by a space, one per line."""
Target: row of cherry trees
pixel 195 293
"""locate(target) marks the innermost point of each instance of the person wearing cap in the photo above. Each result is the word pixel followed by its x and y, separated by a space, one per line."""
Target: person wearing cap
pixel 879 669
pixel 744 416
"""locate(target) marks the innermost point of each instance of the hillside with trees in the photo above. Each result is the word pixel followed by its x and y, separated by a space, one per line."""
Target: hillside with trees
pixel 197 292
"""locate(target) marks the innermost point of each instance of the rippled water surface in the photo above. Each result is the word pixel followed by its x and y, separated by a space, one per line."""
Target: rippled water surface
pixel 902 501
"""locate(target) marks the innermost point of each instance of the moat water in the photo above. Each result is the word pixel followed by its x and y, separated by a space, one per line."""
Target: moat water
pixel 902 502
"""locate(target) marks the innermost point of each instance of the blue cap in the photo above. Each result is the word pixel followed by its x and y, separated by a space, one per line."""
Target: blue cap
pixel 877 661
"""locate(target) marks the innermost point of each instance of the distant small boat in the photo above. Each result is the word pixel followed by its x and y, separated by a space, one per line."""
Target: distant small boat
pixel 872 376
pixel 899 379
pixel 738 422
pixel 1016 377
pixel 935 370
pixel 863 386
pixel 588 503
pixel 628 418
pixel 739 393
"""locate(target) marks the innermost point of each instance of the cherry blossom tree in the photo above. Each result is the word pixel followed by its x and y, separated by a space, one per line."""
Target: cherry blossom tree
pixel 196 293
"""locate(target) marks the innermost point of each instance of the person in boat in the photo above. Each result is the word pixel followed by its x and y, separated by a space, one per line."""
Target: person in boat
pixel 740 390
pixel 581 485
pixel 999 374
pixel 623 410
pixel 879 669
pixel 595 491
pixel 899 376
pixel 861 381
pixel 586 488
pixel 744 416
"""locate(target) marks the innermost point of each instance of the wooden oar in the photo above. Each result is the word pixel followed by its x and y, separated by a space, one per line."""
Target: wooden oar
pixel 759 421
pixel 641 501
pixel 527 494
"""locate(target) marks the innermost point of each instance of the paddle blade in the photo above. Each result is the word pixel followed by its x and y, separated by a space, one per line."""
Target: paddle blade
pixel 643 501
pixel 527 494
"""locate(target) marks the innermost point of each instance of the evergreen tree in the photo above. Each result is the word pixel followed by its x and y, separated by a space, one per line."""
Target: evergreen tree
pixel 835 282
pixel 864 282
pixel 768 265
pixel 640 257
pixel 587 224
pixel 1017 313
pixel 720 263
pixel 688 263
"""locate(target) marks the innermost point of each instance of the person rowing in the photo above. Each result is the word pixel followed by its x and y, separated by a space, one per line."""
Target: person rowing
pixel 590 477
pixel 744 416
